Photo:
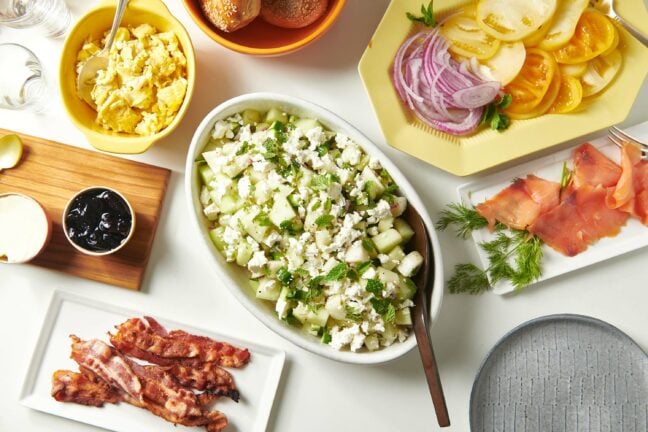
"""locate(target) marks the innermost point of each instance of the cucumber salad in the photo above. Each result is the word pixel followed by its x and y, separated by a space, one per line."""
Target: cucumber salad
pixel 316 221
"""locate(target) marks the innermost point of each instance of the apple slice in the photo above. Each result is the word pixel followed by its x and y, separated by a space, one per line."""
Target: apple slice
pixel 11 149
pixel 25 228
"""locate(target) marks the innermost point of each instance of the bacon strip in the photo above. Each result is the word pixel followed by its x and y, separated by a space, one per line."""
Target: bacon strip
pixel 68 386
pixel 520 204
pixel 207 377
pixel 147 340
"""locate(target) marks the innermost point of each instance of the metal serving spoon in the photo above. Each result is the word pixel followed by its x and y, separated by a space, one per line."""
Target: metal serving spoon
pixel 607 7
pixel 88 74
pixel 422 316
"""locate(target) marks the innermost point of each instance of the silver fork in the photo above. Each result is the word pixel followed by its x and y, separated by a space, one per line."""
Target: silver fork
pixel 619 137
pixel 607 7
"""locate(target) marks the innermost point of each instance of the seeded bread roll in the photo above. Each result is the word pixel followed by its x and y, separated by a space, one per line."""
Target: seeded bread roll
pixel 292 13
pixel 230 15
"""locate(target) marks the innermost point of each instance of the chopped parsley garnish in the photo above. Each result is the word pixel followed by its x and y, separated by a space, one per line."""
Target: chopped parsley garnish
pixel 427 16
pixel 494 116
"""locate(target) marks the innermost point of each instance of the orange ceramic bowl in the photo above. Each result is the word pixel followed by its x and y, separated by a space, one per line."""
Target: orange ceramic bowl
pixel 262 39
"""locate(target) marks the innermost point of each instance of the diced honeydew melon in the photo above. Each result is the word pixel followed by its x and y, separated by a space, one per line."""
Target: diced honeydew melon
pixel 403 317
pixel 206 173
pixel 268 289
pixel 373 185
pixel 406 289
pixel 335 307
pixel 371 342
pixel 322 238
pixel 276 115
pixel 216 236
pixel 229 204
pixel 404 229
pixel 243 253
pixel 281 210
pixel 211 211
pixel 256 231
pixel 237 166
pixel 399 206
pixel 387 276
pixel 386 241
pixel 410 264
pixel 250 116
pixel 356 253
pixel 306 124
pixel 282 305
pixel 385 224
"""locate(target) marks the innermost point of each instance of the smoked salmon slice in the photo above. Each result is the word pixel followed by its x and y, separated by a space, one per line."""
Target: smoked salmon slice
pixel 594 168
pixel 623 194
pixel 520 204
pixel 579 220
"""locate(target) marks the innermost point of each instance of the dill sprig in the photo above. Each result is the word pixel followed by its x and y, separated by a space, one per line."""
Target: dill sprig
pixel 513 255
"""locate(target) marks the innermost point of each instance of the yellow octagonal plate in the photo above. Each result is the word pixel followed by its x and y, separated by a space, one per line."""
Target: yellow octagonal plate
pixel 464 155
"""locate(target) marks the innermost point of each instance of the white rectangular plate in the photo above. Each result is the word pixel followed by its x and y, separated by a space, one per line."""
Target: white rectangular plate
pixel 70 314
pixel 632 236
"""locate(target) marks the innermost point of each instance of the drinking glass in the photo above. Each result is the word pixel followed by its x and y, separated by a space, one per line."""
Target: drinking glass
pixel 50 17
pixel 22 84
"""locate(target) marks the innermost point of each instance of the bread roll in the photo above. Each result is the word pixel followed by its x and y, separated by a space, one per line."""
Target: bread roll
pixel 292 13
pixel 230 15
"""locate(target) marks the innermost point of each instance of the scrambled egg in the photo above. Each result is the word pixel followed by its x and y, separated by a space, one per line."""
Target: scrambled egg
pixel 145 83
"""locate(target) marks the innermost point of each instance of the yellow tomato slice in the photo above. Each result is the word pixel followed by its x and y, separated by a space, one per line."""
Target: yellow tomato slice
pixel 563 24
pixel 593 36
pixel 547 100
pixel 575 70
pixel 530 85
pixel 506 64
pixel 538 35
pixel 600 72
pixel 513 20
pixel 569 96
pixel 467 39
pixel 615 41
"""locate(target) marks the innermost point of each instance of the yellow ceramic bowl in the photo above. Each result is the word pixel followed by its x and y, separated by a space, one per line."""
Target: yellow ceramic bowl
pixel 262 39
pixel 464 155
pixel 93 25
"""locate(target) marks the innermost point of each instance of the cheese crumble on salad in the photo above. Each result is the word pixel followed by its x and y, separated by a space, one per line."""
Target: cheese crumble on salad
pixel 316 221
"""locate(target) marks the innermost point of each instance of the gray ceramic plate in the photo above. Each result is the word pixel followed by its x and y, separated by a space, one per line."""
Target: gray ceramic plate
pixel 562 373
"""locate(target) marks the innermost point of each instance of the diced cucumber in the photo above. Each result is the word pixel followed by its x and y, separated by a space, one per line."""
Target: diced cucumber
pixel 237 166
pixel 406 289
pixel 404 229
pixel 205 198
pixel 364 161
pixel 281 211
pixel 254 285
pixel 399 206
pixel 386 241
pixel 229 204
pixel 335 307
pixel 276 115
pixel 244 253
pixel 216 236
pixel 269 289
pixel 294 200
pixel 387 276
pixel 319 317
pixel 250 116
pixel 256 231
pixel 282 305
pixel 212 145
pixel 356 253
pixel 389 335
pixel 312 329
pixel 385 224
pixel 396 255
pixel 403 317
pixel 274 266
pixel 211 212
pixel 371 342
pixel 300 312
pixel 306 124
pixel 213 159
pixel 373 185
pixel 206 173
pixel 410 264
pixel 256 176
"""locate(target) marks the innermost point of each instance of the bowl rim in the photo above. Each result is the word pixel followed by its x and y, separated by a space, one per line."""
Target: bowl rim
pixel 66 209
pixel 295 336
pixel 319 31
pixel 114 142
pixel 48 220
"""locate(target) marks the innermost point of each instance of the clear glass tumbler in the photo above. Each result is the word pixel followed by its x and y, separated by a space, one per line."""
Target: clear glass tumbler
pixel 22 85
pixel 50 17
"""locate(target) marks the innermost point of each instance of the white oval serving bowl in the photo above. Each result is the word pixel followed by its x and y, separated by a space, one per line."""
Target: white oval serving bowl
pixel 236 278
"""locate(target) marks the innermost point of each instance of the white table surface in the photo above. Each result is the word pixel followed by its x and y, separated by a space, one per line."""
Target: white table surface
pixel 315 394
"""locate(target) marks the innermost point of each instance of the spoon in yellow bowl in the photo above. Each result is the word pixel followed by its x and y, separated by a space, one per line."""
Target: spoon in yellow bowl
pixel 88 74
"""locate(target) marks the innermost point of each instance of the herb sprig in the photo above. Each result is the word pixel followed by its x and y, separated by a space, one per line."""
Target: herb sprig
pixel 514 255
pixel 427 15
pixel 493 115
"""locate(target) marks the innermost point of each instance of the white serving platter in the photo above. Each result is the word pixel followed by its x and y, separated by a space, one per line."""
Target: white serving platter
pixel 86 318
pixel 633 235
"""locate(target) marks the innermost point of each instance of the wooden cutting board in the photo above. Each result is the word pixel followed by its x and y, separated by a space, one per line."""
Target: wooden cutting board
pixel 52 173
